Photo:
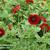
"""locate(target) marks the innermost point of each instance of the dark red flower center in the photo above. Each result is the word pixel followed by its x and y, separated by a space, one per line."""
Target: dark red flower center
pixel 33 19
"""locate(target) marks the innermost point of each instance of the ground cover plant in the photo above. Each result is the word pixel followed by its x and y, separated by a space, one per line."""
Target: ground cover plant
pixel 24 24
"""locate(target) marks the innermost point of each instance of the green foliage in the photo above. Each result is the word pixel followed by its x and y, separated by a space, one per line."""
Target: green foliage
pixel 28 37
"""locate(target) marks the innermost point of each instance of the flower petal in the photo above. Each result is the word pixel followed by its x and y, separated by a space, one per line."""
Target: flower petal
pixel 2 31
pixel 29 1
pixel 16 8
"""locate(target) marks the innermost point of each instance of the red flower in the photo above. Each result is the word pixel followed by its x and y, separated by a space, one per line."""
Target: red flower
pixel 44 26
pixel 33 19
pixel 49 27
pixel 16 8
pixel 2 31
pixel 29 1
pixel 43 19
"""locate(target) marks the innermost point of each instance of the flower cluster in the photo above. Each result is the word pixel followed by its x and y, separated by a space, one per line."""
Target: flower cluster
pixel 34 19
pixel 25 23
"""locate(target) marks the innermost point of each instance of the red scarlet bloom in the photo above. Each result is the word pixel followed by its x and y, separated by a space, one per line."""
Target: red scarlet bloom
pixel 45 26
pixel 49 27
pixel 2 32
pixel 34 19
pixel 29 1
pixel 16 8
pixel 43 19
